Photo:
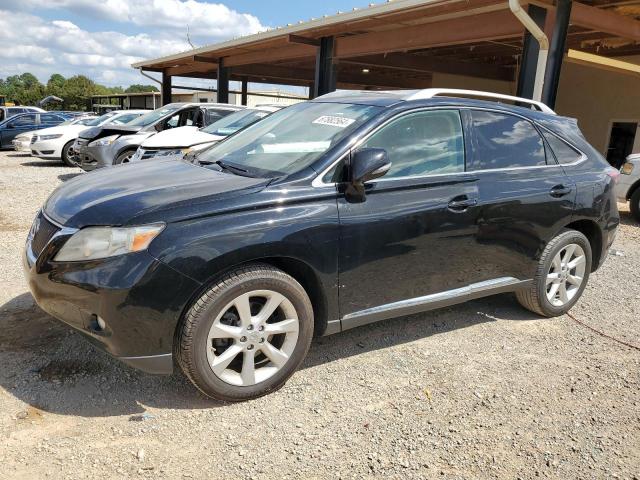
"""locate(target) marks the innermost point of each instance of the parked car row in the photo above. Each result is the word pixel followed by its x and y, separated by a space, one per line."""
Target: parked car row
pixel 107 145
pixel 19 123
pixel 330 214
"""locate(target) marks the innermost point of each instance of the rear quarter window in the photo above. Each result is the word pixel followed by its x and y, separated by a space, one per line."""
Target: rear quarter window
pixel 504 141
pixel 562 151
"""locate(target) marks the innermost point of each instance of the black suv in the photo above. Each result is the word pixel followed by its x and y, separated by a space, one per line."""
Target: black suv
pixel 330 214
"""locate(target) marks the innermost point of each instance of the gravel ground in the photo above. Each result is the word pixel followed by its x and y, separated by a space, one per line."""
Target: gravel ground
pixel 481 390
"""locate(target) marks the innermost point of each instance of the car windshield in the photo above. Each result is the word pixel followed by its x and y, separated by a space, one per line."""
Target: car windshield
pixel 99 120
pixel 155 115
pixel 288 140
pixel 234 122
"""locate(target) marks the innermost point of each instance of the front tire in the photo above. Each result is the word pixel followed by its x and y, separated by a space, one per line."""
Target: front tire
pixel 246 335
pixel 561 277
pixel 68 156
pixel 124 157
pixel 634 204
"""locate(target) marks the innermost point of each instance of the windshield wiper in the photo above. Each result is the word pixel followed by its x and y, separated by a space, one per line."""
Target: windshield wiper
pixel 226 166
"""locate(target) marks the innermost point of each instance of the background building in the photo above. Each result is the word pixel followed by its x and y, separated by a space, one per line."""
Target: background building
pixel 592 72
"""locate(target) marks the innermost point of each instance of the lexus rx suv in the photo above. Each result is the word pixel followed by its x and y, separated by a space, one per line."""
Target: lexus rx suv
pixel 327 215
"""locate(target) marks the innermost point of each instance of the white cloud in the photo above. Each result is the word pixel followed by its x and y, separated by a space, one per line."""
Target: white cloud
pixel 42 47
pixel 45 47
pixel 212 20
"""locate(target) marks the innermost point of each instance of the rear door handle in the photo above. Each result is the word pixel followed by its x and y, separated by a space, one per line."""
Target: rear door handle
pixel 461 203
pixel 560 191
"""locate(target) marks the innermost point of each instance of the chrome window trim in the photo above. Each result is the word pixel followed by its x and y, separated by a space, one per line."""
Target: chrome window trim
pixel 317 181
pixel 583 156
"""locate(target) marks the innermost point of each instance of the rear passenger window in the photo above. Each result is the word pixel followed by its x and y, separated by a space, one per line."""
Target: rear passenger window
pixel 504 141
pixel 562 151
pixel 423 143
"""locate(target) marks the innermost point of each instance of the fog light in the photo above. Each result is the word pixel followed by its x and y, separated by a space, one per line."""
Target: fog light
pixel 101 323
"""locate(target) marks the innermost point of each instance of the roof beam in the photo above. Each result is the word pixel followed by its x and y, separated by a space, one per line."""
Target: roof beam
pixel 186 70
pixel 304 40
pixel 203 59
pixel 482 27
pixel 297 76
pixel 419 63
pixel 289 52
pixel 605 21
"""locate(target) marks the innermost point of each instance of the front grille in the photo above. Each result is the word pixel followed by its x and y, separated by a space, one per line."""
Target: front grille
pixel 43 230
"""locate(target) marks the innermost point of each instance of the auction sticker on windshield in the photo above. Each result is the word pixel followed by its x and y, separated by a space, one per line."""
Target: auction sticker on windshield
pixel 333 121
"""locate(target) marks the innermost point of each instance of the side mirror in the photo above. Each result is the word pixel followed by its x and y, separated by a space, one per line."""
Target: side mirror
pixel 368 164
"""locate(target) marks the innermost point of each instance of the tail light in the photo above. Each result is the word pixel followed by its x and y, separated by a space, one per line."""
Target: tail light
pixel 614 174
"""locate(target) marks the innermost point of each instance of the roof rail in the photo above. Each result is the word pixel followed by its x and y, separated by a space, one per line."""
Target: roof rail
pixel 455 92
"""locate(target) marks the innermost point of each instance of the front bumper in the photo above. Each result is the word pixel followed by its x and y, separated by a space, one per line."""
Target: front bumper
pixel 128 305
pixel 46 149
pixel 91 158
pixel 23 146
pixel 625 182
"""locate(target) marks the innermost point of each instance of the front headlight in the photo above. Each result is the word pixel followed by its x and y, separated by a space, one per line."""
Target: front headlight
pixel 104 141
pixel 626 169
pixel 92 243
pixel 49 137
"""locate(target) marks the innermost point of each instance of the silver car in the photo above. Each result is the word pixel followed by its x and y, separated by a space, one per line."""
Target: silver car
pixel 113 145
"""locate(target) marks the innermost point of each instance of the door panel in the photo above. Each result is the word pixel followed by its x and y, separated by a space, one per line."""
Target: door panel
pixel 404 242
pixel 520 213
pixel 525 196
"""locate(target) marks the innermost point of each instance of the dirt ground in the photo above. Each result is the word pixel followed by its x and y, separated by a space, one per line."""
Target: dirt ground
pixel 481 390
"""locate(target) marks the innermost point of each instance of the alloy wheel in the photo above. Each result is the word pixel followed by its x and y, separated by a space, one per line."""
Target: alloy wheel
pixel 565 275
pixel 252 338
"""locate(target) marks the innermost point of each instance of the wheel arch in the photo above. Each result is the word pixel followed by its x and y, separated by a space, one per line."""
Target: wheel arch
pixel 632 189
pixel 300 270
pixel 591 230
pixel 126 148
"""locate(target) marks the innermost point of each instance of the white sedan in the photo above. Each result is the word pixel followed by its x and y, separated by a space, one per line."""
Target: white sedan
pixel 57 142
pixel 177 142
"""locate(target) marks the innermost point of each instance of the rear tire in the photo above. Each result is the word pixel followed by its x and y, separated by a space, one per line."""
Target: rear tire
pixel 561 277
pixel 634 204
pixel 246 335
pixel 67 157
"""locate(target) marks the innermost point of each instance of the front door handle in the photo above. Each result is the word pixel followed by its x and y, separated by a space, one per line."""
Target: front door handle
pixel 560 191
pixel 461 203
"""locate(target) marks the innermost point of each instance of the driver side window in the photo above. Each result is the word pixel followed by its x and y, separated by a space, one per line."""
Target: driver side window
pixel 422 143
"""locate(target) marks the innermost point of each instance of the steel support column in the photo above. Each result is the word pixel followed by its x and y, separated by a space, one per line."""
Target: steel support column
pixel 530 50
pixel 556 52
pixel 244 92
pixel 223 82
pixel 326 73
pixel 166 88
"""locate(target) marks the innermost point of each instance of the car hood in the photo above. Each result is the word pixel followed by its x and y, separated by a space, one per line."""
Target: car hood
pixel 179 138
pixel 63 130
pixel 166 190
pixel 106 130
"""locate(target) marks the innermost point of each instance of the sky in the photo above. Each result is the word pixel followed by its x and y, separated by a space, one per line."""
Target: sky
pixel 102 38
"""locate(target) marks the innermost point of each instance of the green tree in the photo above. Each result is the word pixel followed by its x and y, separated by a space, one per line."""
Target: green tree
pixel 77 91
pixel 137 88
